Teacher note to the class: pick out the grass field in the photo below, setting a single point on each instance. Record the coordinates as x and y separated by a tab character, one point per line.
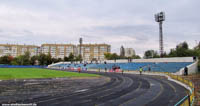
29	73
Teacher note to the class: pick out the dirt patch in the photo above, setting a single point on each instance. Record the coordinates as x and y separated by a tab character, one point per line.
18	90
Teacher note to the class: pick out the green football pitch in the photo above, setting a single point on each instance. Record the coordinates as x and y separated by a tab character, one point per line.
31	73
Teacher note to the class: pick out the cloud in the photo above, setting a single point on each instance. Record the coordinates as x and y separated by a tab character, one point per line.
116	22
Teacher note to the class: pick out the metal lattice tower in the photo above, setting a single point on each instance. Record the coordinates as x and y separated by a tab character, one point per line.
160	17
80	41
80	51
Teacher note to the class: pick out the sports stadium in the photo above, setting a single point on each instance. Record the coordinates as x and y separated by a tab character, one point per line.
146	66
105	83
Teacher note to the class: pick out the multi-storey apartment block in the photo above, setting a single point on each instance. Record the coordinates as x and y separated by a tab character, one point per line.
88	51
93	51
58	50
17	50
129	52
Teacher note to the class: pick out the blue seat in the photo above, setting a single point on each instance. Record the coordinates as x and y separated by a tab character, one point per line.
158	67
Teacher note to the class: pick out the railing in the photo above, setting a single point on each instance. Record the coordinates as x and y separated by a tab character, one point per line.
189	99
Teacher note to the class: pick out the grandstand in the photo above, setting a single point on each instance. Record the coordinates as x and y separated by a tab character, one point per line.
172	65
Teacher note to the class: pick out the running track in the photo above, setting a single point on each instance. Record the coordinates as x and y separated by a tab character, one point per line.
122	90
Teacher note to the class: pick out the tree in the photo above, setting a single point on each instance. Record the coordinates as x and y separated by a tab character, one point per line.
15	62
48	59
26	58
66	58
108	56
135	57
42	59
78	58
151	54
6	59
22	59
71	57
114	56
183	45
33	60
182	50
55	60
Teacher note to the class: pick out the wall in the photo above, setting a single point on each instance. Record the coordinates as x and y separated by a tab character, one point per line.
172	59
192	69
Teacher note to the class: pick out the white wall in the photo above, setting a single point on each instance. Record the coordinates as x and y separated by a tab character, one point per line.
172	59
192	69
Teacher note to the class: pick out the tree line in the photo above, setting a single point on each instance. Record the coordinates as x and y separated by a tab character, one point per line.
41	59
115	56
181	50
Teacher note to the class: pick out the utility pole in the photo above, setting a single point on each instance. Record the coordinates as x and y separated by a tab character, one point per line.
160	17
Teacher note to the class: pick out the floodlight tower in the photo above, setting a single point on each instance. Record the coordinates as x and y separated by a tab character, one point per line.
160	17
81	42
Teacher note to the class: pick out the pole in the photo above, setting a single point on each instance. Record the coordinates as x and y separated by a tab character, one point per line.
80	41
161	38
160	17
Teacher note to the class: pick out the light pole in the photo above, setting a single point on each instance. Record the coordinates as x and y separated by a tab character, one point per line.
160	17
81	42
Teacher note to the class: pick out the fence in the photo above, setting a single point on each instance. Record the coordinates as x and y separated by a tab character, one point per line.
22	66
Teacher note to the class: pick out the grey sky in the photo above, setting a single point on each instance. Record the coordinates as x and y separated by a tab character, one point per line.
117	22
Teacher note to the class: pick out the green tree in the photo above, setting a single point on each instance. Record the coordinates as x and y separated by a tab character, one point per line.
78	58
182	50
48	59
42	59
108	56
33	60
71	57
66	58
114	56
6	59
55	60
151	54
135	57
15	61
26	58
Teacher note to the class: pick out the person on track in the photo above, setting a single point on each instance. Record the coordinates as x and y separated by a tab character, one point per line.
141	70
186	71
149	68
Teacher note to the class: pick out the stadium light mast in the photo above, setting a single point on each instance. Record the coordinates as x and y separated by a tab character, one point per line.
81	42
160	17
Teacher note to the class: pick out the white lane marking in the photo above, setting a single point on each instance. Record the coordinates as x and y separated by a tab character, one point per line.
83	90
151	84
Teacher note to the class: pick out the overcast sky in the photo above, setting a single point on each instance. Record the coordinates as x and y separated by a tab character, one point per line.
116	22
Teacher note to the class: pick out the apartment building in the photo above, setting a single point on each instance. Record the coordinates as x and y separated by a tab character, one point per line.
129	52
17	50
88	51
93	51
58	50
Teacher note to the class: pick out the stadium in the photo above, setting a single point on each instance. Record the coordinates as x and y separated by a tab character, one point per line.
100	83
154	86
99	53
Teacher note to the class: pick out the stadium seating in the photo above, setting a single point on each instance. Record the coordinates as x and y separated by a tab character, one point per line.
158	67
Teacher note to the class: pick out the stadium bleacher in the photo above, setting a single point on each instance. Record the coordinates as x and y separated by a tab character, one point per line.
158	67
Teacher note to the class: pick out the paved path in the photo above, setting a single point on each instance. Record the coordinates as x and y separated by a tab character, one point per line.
122	90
